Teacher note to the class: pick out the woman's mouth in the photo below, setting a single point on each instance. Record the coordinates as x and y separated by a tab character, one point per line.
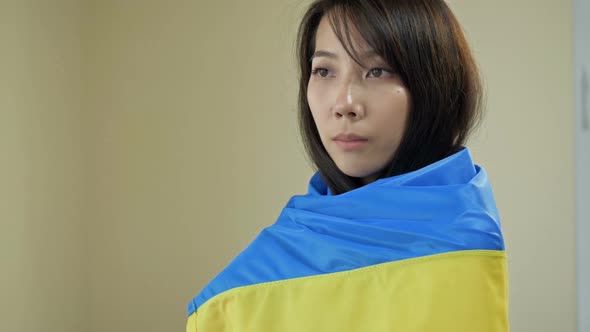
352	144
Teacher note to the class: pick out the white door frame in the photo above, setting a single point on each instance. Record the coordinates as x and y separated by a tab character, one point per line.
581	17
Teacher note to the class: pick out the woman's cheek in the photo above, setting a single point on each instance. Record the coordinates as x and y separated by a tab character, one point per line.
317	98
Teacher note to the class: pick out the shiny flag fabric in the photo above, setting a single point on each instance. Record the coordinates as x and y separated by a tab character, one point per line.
421	251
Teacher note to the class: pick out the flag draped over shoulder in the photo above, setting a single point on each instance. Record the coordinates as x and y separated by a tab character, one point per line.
421	251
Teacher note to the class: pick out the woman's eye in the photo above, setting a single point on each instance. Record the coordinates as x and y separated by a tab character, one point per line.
323	72
377	72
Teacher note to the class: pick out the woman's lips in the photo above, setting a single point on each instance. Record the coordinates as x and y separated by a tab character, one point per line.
352	144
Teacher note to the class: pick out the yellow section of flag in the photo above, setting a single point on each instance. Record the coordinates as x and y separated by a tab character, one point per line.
460	291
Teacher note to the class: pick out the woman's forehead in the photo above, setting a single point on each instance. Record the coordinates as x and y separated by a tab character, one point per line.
328	45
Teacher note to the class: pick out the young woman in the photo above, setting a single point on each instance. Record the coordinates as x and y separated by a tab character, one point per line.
399	230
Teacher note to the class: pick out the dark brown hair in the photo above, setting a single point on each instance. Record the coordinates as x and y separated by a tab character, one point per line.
424	44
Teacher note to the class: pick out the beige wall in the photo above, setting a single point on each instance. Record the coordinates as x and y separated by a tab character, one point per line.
116	213
42	261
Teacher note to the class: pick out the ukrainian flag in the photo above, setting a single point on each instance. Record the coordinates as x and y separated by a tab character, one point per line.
422	251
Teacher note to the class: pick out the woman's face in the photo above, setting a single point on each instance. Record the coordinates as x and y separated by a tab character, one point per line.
345	98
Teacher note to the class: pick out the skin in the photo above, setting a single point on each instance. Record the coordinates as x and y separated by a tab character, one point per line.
346	98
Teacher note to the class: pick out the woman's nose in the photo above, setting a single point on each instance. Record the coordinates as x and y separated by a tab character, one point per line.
349	101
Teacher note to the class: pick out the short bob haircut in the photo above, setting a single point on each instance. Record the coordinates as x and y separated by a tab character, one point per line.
424	44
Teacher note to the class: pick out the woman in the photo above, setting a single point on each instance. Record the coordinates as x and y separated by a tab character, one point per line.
399	230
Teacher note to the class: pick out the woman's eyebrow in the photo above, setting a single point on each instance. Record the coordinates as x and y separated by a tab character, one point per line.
326	54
